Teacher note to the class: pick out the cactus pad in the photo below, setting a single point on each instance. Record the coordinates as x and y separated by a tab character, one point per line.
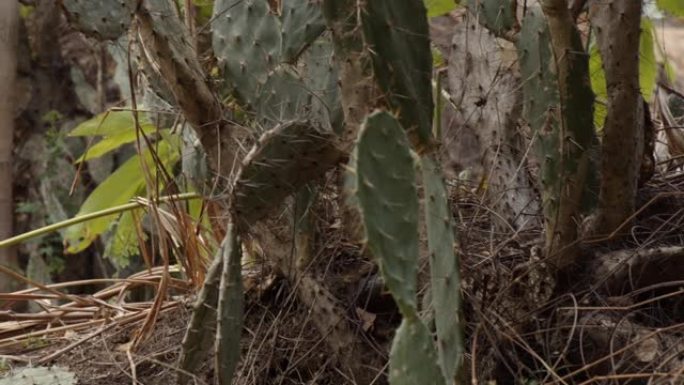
230	308
246	40
251	41
382	172
413	359
320	75
284	159
399	38
444	274
302	23
498	16
541	104
200	331
103	20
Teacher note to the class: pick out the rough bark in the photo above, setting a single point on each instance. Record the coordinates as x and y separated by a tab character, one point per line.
9	22
617	26
576	131
164	41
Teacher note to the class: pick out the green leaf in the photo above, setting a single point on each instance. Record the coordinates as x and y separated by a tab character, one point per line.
109	123
439	7
437	59
110	143
125	183
598	85
648	66
124	242
648	71
673	7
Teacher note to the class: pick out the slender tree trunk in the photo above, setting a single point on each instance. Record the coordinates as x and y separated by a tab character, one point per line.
617	25
9	19
577	129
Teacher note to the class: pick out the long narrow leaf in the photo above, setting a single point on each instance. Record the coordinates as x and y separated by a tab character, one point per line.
125	183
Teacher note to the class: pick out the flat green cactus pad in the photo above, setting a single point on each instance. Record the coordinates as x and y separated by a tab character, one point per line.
382	175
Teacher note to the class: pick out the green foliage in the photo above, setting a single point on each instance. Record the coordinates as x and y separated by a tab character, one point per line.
598	85
673	7
125	183
383	172
113	142
111	123
648	70
648	66
123	243
25	11
40	376
399	37
439	7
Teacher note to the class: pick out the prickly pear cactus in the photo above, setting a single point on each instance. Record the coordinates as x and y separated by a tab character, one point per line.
40	376
247	41
103	20
200	331
283	160
320	75
498	16
444	274
164	41
383	172
399	37
565	133
541	104
306	91
382	179
230	309
302	23
251	40
413	359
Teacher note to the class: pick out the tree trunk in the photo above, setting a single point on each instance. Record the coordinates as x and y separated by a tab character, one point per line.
9	19
623	137
576	131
